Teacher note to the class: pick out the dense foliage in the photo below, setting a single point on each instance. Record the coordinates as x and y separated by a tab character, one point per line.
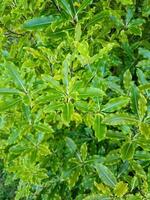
75	99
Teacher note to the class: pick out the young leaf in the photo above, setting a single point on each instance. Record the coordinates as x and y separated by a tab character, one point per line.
99	128
15	75
106	175
40	22
127	151
120	119
115	104
121	189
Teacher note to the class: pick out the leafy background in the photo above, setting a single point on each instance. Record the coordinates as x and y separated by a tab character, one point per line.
74	99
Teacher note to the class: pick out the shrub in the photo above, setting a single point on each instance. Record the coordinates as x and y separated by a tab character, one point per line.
74	99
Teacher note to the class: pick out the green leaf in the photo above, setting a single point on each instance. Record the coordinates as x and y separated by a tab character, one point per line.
67	8
115	104
83	151
106	175
9	91
142	155
98	17
121	189
99	128
144	52
138	169
142	106
40	22
9	104
73	178
15	75
134	98
71	145
127	151
127	79
78	32
84	4
120	119
67	112
144	129
90	92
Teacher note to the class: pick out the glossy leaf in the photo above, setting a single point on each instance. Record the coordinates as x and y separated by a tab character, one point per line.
99	128
115	104
120	119
9	91
67	112
127	151
84	4
40	22
106	175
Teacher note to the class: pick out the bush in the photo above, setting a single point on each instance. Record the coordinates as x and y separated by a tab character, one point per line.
74	99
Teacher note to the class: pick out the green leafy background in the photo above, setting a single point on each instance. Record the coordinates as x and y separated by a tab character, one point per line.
75	100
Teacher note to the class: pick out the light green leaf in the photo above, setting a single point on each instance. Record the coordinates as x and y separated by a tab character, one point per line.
84	4
138	169
67	112
120	119
121	189
15	75
127	151
142	106
90	92
40	22
106	175
115	104
144	129
54	84
127	79
73	178
9	91
78	32
9	104
99	128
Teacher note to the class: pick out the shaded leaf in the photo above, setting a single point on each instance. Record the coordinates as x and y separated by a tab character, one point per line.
106	175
